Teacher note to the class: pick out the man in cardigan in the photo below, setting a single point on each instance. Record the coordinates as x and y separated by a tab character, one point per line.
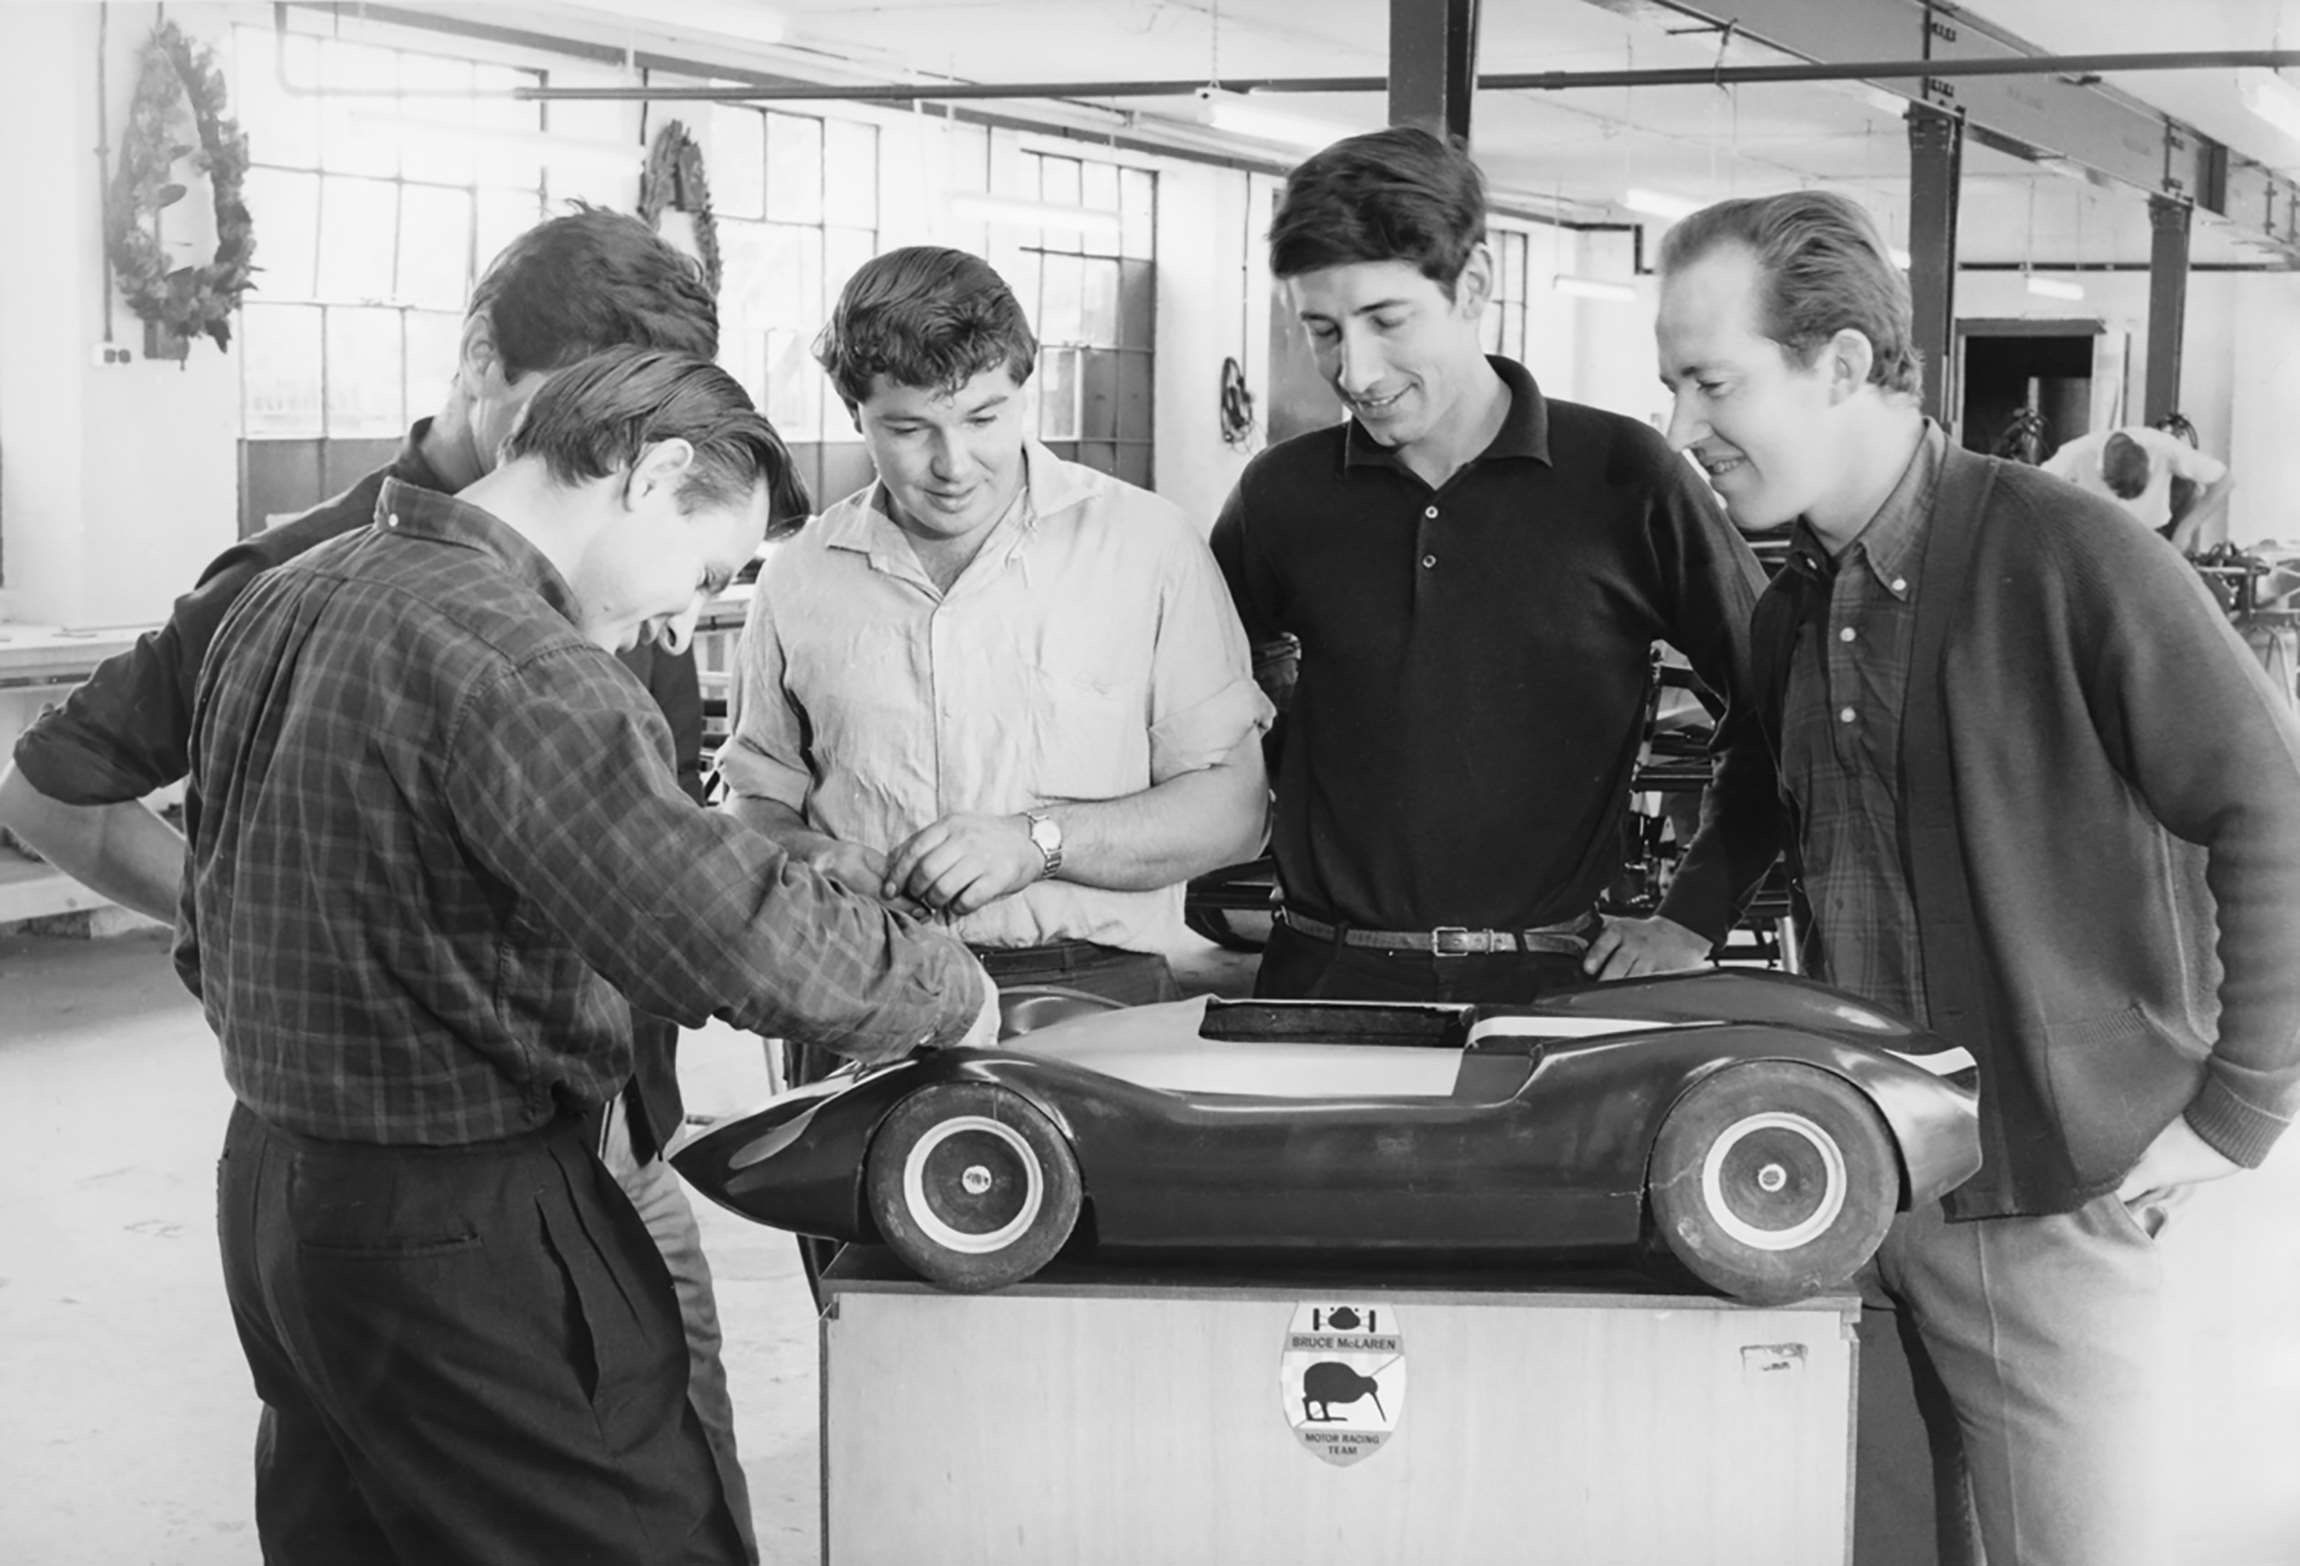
2042	800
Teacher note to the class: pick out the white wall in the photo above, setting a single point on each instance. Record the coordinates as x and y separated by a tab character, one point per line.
116	483
1213	304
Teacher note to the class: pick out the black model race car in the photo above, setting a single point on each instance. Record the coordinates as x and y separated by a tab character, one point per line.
1765	1129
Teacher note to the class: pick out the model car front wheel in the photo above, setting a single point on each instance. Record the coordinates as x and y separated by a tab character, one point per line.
1771	1181
972	1186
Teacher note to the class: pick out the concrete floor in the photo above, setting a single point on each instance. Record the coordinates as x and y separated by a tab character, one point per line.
125	1414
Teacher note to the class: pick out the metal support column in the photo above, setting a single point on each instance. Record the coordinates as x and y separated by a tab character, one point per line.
1936	162
1433	64
2167	304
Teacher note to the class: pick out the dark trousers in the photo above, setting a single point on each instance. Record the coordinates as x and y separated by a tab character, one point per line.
464	1354
1296	967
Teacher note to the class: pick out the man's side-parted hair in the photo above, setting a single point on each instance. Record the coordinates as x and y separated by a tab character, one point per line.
1402	194
594	279
594	419
927	317
1826	268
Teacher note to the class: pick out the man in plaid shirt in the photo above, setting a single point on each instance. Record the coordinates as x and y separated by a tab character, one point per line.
436	829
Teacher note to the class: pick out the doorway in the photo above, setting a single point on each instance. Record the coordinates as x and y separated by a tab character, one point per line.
2027	386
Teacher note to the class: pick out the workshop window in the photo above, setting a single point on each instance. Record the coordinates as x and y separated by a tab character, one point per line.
796	199
1088	290
383	179
1503	327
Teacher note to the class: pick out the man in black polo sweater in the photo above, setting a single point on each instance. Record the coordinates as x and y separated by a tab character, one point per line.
1476	575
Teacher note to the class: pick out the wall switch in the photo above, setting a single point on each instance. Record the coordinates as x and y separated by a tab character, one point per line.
106	355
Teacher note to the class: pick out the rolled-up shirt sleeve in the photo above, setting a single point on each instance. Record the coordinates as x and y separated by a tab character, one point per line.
1203	699
764	756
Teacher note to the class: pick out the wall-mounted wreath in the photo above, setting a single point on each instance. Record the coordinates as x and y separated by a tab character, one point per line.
674	178
180	78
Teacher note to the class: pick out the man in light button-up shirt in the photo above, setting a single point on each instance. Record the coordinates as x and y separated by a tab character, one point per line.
995	683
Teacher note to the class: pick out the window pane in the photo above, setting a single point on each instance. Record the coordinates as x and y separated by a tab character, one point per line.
794	168
844	252
434	247
1058	187
743	354
793	277
737	156
966	155
1021	271
1059	310
1098	396
279	371
359	224
503	216
365	373
743	275
1138	197
434	338
1489	328
1137	303
1098	189
289	208
1513	266
357	134
1058	395
794	386
850	173
1098	304
281	130
1134	396
503	125
442	150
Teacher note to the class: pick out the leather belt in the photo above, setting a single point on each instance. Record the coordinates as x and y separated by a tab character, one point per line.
1570	939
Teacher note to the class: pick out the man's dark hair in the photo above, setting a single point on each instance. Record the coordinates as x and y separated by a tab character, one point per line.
2124	466
594	279
2177	425
1401	194
927	317
595	418
1826	269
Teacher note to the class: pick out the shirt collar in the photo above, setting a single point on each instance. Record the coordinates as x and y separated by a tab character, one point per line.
410	466
1049	486
1524	429
412	512
1890	542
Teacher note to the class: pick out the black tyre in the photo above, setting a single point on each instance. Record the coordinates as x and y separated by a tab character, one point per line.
1771	1181
972	1186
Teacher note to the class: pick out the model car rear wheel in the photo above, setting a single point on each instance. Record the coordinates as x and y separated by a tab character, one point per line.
972	1186
1771	1181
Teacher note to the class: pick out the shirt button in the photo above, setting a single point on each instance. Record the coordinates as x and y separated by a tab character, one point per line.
1431	513
1428	561
1845	715
1900	584
392	520
1847	634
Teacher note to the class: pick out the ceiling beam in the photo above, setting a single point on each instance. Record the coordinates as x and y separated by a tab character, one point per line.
2070	120
1433	64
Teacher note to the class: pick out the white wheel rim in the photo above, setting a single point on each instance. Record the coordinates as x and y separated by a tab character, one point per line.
922	1211
1814	1224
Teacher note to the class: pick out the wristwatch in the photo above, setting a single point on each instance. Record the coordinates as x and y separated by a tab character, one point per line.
1046	832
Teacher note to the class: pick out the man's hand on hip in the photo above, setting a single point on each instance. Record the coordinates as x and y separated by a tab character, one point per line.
964	862
1634	948
2178	1157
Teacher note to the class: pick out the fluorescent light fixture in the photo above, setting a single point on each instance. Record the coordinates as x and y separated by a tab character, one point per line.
1594	288
2272	98
444	136
1034	214
2054	288
1241	115
1659	203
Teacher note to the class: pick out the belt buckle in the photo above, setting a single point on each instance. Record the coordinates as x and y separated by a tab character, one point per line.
1451	940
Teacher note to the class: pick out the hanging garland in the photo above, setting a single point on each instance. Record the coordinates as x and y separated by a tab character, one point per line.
674	178
178	74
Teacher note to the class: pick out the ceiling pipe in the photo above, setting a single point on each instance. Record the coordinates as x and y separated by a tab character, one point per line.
1527	81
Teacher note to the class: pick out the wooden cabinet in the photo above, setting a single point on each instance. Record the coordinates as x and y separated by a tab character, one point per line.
1095	1417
